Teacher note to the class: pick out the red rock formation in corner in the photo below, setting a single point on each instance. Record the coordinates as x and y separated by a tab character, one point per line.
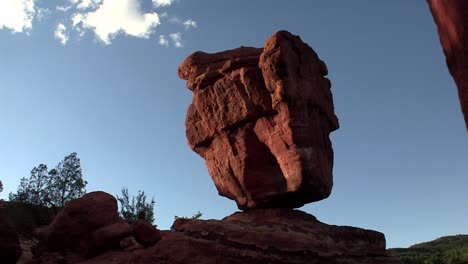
10	250
451	18
261	119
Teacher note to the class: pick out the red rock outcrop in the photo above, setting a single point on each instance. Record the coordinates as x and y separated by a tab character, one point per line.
261	119
88	226
272	236
10	250
451	18
276	236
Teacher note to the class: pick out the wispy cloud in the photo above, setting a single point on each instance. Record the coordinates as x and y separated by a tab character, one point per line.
176	39
60	33
42	13
158	3
190	23
163	41
86	4
16	15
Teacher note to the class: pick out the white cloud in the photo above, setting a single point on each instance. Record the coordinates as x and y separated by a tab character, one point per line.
113	17
190	23
16	15
63	8
61	33
176	39
163	41
86	4
158	3
105	18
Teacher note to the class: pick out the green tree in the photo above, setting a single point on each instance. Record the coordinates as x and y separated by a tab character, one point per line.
32	190
136	207
52	188
65	182
1	186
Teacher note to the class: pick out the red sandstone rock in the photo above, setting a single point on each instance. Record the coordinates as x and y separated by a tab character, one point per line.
108	237
261	119
275	236
451	18
129	244
73	227
146	234
10	250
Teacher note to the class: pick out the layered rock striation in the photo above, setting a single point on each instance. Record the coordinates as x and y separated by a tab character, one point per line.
276	236
273	236
261	119
451	18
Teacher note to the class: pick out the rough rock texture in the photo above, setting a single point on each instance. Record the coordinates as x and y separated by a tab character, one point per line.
261	119
78	225
275	236
108	237
10	250
146	234
451	18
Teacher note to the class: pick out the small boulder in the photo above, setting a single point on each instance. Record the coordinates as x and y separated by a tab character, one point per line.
146	234
108	237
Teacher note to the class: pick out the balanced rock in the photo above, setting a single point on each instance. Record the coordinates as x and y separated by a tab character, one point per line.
451	18
261	119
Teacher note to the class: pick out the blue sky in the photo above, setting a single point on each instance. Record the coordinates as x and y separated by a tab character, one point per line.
101	80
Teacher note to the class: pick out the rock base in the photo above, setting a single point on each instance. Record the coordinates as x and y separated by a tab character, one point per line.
271	236
274	236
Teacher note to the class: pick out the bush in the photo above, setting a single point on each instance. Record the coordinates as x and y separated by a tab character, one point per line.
136	207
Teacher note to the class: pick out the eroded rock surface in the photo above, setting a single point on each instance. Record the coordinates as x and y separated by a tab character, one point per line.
261	119
275	236
451	18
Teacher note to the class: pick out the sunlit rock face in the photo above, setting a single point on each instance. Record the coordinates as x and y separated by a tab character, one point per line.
261	118
451	18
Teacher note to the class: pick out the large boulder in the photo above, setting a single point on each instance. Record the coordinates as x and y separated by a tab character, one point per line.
75	227
10	250
451	18
261	119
